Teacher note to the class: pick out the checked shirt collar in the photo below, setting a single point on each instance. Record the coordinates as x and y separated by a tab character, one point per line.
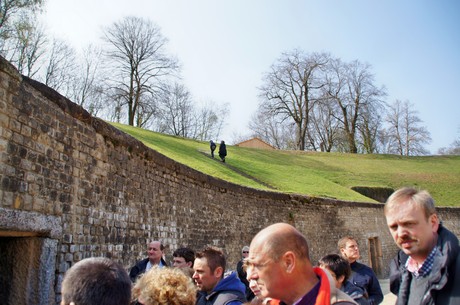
426	267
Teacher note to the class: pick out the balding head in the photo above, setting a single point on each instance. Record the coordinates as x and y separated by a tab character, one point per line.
278	238
279	263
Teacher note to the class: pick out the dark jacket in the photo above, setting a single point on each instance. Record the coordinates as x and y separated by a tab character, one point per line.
222	150
229	291
355	292
364	277
444	278
139	268
242	276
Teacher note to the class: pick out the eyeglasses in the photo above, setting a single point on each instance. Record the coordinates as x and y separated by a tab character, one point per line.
245	251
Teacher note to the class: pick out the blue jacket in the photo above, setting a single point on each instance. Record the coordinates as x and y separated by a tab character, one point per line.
355	292
228	291
364	277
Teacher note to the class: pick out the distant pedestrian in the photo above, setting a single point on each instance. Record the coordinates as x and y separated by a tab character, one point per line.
212	145
222	151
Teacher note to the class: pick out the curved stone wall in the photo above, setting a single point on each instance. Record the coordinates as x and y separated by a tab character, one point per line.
109	194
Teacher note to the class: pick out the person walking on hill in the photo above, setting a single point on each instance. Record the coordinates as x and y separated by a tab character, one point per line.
222	151
212	146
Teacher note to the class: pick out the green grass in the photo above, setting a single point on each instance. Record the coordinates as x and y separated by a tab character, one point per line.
316	174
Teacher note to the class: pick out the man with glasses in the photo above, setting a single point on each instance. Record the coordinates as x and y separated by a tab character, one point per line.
361	275
242	273
279	263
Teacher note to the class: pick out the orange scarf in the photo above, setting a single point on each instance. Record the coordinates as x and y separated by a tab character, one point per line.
324	293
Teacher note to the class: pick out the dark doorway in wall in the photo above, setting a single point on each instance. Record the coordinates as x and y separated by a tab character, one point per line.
375	256
27	268
28	249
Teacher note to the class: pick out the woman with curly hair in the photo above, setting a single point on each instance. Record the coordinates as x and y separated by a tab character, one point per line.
164	286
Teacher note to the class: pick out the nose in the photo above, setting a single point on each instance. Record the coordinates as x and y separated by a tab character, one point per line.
250	273
195	275
401	231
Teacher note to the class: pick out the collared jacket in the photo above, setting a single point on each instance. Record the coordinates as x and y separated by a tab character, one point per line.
444	277
364	277
355	292
228	291
139	268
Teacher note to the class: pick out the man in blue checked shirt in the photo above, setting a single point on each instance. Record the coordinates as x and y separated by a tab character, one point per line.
427	269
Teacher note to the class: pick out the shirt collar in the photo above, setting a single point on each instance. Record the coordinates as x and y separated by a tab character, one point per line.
427	265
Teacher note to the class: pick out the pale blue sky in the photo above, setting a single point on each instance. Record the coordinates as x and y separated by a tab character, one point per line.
226	46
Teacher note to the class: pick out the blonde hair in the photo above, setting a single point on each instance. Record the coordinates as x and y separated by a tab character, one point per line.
414	196
165	286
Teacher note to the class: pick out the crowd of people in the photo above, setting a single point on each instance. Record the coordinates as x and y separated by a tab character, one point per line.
276	269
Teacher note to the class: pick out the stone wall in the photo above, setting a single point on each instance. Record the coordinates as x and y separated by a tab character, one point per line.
107	194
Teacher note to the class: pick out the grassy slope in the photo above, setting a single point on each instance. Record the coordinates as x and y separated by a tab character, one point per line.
313	173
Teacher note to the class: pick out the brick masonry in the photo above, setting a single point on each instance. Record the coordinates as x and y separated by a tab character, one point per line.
112	194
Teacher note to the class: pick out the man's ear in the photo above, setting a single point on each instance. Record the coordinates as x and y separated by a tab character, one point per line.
288	260
189	264
434	220
219	272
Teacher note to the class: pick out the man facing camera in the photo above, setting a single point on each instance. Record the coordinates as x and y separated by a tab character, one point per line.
427	268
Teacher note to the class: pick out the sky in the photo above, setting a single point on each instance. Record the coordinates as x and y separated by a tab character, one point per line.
226	46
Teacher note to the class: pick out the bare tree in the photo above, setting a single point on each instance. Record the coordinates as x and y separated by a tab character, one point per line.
25	47
138	63
87	87
369	127
273	129
176	111
325	128
406	136
291	89
209	121
60	66
9	12
352	86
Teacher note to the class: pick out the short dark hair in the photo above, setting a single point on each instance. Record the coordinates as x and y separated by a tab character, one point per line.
96	281
215	258
187	253
336	264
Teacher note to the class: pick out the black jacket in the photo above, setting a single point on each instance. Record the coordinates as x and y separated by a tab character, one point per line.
444	278
139	268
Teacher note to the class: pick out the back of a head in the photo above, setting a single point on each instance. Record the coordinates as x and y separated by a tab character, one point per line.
165	286
337	264
96	281
214	256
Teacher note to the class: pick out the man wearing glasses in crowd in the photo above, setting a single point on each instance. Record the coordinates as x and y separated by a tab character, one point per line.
242	274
